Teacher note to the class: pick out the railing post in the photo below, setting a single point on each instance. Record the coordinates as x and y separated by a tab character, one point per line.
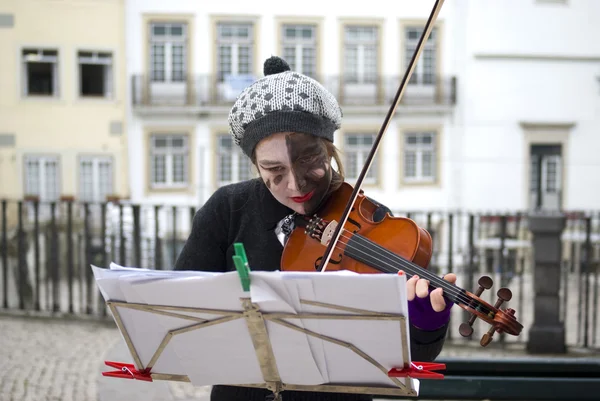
4	256
137	236
547	334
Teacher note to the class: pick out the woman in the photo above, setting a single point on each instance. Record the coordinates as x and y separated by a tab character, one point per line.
285	124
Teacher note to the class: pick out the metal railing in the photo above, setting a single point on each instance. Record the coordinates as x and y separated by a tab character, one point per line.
46	250
207	90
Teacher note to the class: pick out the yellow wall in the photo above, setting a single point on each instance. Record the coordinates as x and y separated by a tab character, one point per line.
65	125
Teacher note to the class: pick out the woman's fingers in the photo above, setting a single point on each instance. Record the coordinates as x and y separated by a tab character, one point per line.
411	287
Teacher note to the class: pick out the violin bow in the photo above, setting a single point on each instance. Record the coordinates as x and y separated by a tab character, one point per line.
411	66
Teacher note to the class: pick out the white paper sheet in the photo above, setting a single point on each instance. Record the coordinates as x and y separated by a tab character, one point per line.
224	353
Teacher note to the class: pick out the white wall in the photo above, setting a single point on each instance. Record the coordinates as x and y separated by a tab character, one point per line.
504	84
489	44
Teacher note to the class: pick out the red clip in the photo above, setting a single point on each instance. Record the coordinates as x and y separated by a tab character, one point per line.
127	371
419	370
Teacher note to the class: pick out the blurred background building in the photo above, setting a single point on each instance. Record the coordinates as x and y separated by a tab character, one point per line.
129	99
63	101
118	109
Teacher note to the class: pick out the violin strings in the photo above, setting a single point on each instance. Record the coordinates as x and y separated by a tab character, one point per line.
459	295
404	263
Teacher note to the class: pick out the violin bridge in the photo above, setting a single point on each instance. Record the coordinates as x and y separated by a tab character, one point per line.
328	232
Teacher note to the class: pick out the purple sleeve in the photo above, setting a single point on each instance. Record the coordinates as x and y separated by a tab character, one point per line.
422	316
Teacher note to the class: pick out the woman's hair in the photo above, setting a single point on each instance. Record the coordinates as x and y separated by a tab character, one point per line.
337	173
338	176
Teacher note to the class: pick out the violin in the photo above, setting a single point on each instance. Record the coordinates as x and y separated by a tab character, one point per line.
390	245
345	227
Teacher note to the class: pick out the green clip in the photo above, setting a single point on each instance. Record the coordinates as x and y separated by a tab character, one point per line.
241	264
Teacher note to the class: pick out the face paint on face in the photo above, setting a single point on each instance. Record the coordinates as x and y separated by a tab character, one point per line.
310	166
296	169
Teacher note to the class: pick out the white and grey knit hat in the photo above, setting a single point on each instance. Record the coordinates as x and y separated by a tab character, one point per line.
282	101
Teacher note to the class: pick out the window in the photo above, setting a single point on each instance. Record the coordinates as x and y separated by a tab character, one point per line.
95	74
42	177
356	150
420	157
95	178
360	54
424	72
40	72
169	161
550	172
168	52
299	48
234	49
233	165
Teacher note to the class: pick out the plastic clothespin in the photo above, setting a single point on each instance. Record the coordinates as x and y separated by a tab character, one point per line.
241	264
419	370
127	371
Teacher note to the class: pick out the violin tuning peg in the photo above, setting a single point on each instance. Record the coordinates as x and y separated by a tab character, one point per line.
485	283
465	329
487	337
485	340
504	295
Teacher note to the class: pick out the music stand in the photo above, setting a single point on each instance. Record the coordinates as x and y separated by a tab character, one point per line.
276	331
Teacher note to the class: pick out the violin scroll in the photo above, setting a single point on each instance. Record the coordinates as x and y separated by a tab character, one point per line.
501	320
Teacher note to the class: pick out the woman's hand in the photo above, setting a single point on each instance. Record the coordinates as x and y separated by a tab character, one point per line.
420	287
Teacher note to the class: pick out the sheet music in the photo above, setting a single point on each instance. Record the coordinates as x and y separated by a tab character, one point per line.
223	353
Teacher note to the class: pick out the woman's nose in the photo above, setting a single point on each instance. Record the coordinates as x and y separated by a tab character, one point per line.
295	183
292	184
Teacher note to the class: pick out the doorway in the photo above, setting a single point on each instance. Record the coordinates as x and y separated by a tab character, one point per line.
545	182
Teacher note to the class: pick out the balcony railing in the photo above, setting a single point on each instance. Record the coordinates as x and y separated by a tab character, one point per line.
45	264
207	91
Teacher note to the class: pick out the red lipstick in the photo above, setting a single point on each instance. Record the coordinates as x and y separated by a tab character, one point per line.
305	198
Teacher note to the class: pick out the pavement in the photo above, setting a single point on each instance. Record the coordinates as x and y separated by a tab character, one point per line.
50	359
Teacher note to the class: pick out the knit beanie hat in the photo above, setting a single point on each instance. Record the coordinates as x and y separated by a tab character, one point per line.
282	101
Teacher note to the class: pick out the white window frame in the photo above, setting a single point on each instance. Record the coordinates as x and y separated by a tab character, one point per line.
419	150
169	153
546	161
43	192
168	42
418	76
104	58
361	74
360	152
299	44
36	55
235	42
98	195
237	162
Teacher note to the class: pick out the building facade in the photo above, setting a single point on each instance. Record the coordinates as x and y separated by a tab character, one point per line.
187	64
488	121
62	103
528	114
499	115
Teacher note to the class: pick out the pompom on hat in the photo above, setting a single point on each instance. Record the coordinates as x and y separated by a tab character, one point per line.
282	101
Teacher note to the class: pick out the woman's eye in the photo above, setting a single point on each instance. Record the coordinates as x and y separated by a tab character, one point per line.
275	169
308	159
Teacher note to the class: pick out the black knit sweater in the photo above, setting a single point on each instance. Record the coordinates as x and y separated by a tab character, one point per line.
246	212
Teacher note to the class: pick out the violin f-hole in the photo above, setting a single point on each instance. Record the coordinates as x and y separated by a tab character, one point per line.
331	260
356	223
